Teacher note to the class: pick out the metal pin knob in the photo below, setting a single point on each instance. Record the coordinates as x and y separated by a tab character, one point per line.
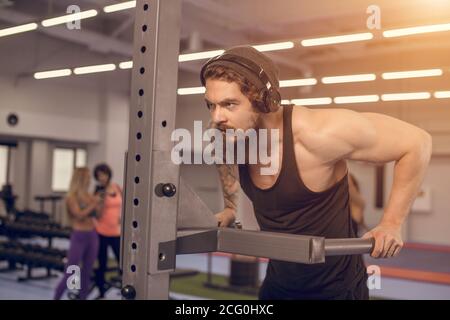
165	190
128	292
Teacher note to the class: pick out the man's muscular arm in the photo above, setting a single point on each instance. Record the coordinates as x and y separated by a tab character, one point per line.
376	138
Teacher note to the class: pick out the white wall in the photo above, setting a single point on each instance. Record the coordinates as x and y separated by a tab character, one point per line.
117	126
51	115
113	127
49	112
433	226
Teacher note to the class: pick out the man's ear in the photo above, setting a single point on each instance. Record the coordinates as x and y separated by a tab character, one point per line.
260	106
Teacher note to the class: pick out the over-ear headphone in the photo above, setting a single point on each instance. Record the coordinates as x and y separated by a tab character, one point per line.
268	93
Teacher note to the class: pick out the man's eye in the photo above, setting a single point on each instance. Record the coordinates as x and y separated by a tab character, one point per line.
230	105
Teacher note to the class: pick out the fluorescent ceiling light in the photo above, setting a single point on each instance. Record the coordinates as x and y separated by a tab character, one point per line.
18	29
52	74
96	68
126	65
298	82
312	101
357	99
405	96
192	90
120	6
349	78
416	30
412	74
199	55
274	46
442	94
69	18
337	39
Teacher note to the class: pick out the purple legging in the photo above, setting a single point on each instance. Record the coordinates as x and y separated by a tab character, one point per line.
82	252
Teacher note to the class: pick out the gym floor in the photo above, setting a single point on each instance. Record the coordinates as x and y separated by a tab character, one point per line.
408	283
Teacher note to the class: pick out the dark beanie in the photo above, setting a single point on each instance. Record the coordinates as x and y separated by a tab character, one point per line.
255	56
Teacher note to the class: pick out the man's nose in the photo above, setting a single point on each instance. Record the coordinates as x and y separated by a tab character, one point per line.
218	116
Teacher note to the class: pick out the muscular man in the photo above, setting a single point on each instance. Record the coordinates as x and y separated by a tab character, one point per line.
309	194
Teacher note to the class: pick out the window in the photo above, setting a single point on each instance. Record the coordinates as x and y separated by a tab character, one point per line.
80	158
63	164
64	161
3	164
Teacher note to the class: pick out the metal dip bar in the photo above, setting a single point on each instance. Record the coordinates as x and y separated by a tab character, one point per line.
278	246
337	247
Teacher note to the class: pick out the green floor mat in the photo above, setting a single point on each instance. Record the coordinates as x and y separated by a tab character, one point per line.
194	286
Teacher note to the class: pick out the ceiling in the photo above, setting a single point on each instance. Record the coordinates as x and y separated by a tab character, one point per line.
213	24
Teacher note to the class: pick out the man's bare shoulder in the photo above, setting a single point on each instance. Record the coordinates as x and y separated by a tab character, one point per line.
317	130
308	121
305	125
309	126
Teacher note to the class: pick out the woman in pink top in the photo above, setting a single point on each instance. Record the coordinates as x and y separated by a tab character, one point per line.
107	222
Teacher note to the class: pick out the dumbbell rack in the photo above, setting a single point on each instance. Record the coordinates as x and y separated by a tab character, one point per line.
53	199
26	227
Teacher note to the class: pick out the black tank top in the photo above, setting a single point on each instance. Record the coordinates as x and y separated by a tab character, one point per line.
290	207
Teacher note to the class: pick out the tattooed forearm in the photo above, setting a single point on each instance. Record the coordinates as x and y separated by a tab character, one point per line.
229	177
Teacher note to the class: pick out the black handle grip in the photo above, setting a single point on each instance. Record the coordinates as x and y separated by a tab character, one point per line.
336	247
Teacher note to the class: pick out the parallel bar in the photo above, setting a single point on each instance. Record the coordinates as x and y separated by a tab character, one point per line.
196	241
278	246
336	247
